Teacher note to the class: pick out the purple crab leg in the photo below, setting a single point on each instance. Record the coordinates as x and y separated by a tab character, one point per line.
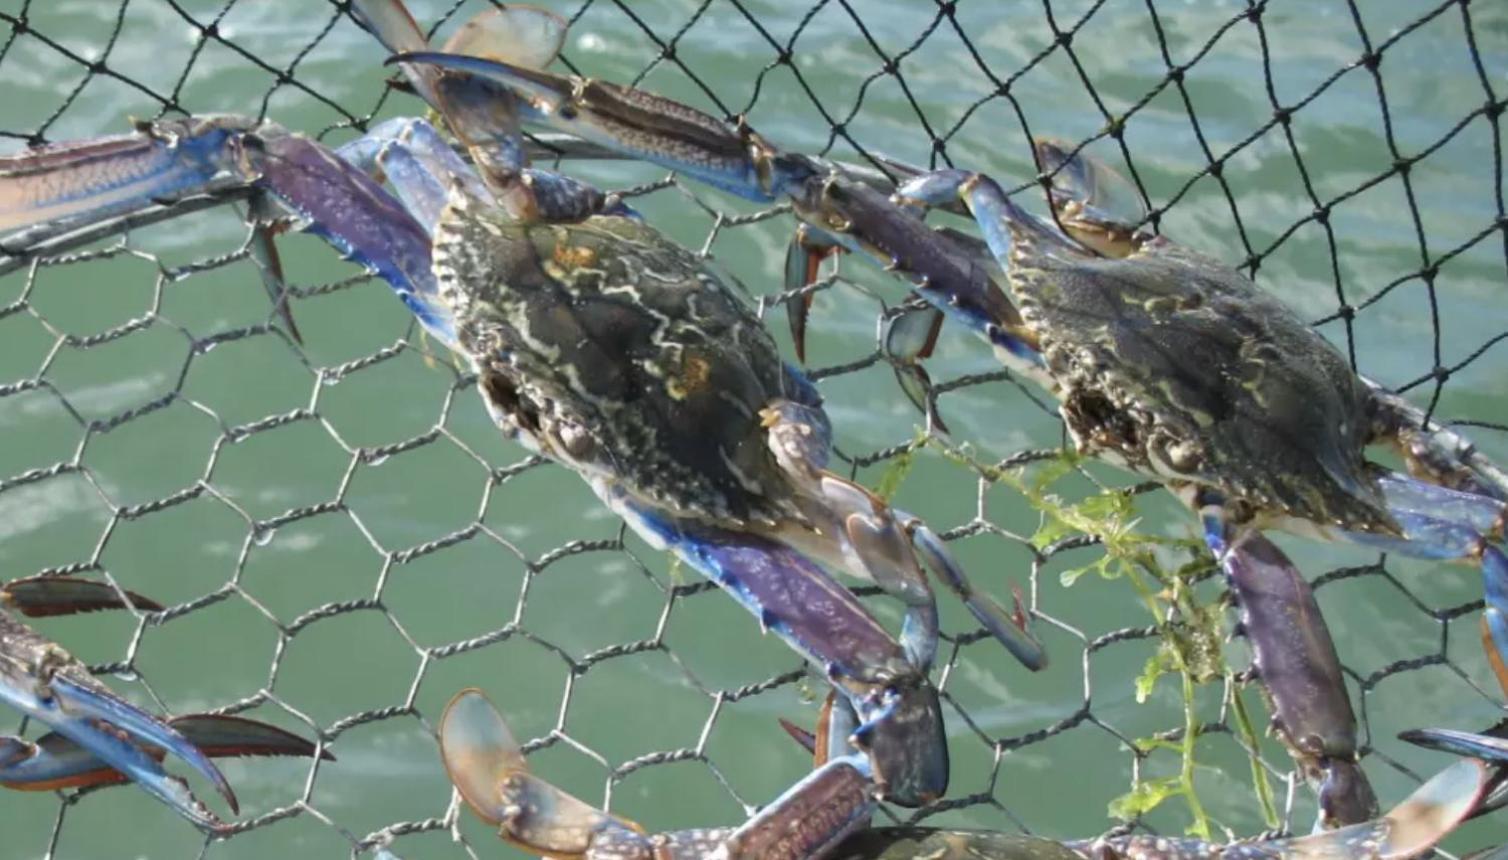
1297	664
901	718
97	179
173	158
56	762
490	772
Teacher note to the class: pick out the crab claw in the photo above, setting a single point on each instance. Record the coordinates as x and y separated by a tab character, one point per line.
1092	202
897	736
483	114
632	122
58	192
1409	829
1489	746
119	734
487	767
890	547
87	705
793	598
910	337
1415	825
803	262
55	762
44	682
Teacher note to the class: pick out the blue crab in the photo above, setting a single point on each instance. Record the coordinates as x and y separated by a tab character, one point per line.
826	814
97	737
598	343
1165	362
1175	366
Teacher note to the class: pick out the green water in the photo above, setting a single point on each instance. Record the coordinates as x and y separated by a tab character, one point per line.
254	637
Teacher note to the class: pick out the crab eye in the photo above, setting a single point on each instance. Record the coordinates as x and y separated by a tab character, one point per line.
575	440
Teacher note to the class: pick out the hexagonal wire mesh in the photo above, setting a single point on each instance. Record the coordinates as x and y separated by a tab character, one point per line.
344	541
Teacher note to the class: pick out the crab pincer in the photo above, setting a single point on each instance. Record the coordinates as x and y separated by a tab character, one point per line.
44	682
598	343
493	778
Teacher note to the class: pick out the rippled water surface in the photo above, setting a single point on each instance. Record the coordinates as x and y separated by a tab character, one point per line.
339	616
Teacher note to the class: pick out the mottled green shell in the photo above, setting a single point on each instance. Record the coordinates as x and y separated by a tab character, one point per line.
621	353
1183	368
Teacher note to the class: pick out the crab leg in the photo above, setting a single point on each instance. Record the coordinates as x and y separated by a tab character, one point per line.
44	682
824	814
910	337
168	160
1300	672
896	704
492	776
54	762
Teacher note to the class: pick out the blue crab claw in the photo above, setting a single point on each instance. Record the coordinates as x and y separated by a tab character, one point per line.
875	747
632	122
55	762
892	548
119	734
482	114
1092	202
521	35
82	187
1489	747
87	706
488	769
1010	626
45	683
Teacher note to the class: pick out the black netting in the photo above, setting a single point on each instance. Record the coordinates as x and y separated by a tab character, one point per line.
344	542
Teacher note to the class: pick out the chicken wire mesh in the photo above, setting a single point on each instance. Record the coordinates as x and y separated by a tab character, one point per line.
343	541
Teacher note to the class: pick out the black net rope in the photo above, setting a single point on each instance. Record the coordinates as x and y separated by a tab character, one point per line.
90	430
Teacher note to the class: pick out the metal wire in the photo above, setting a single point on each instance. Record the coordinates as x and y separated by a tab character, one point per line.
68	434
